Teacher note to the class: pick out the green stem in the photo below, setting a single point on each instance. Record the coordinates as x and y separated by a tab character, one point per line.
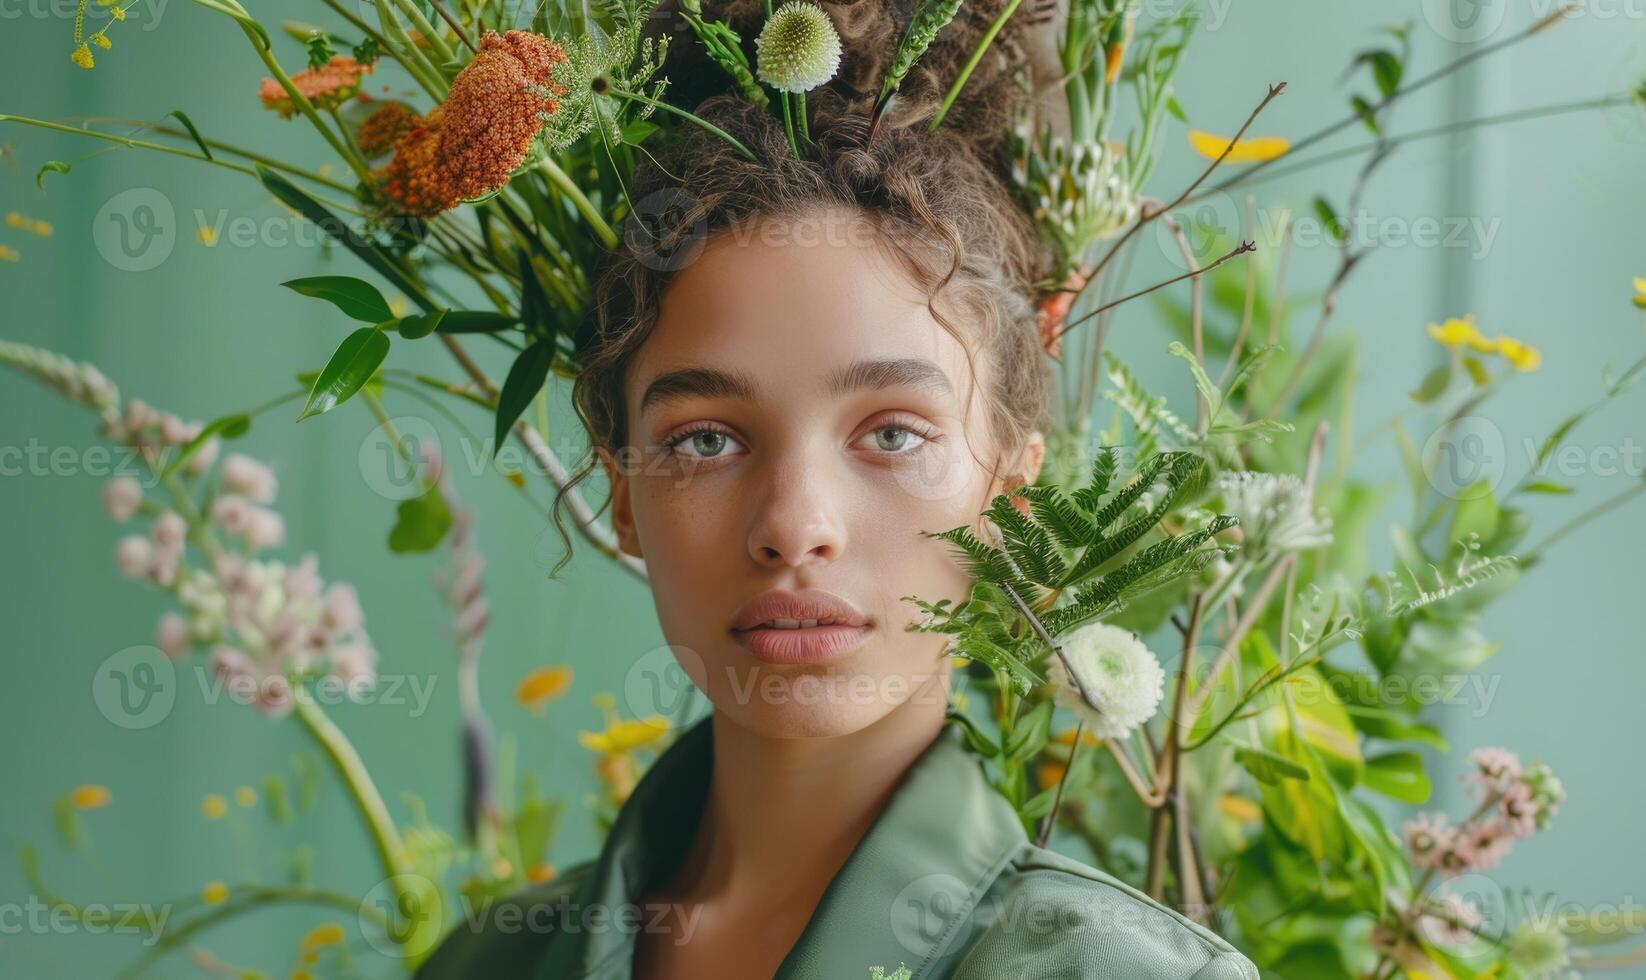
788	123
391	852
421	23
176	151
972	62
563	182
682	113
259	39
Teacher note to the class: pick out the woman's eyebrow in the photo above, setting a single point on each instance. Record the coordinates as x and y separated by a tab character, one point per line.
698	382
889	372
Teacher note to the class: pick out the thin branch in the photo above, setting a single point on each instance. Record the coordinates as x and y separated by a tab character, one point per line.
1240	249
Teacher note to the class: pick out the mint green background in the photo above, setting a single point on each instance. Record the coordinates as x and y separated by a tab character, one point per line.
209	331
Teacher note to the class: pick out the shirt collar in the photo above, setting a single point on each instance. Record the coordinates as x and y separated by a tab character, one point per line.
904	894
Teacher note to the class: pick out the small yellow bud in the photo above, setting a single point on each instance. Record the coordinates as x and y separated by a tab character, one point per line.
101	41
213	807
82	56
214	893
90	797
245	796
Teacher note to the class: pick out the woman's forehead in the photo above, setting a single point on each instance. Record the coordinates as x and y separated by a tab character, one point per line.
784	316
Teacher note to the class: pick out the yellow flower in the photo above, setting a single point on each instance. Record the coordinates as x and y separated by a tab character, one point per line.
82	56
214	893
1239	808
617	770
1459	332
625	736
542	685
9	254
213	807
90	797
959	663
324	934
118	13
206	236
1066	737
540	872
101	40
1520	355
245	796
1255	150
1050	774
1640	293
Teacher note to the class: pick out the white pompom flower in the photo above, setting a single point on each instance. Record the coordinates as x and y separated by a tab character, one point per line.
798	49
1274	512
1122	680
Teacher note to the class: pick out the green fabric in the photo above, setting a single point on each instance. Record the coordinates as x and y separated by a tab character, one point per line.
944	882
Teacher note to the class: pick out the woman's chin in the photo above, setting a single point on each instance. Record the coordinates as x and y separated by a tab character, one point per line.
779	703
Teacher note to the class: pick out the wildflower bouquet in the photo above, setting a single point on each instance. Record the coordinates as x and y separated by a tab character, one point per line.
484	193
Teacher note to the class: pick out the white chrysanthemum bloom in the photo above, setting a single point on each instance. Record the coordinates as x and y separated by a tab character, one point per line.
798	49
1122	679
1274	512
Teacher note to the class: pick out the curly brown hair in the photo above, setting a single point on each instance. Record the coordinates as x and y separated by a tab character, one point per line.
938	201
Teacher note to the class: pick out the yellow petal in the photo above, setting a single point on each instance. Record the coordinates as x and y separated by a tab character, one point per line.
1458	332
90	797
1239	808
214	892
1521	356
542	686
1255	150
213	807
324	934
625	736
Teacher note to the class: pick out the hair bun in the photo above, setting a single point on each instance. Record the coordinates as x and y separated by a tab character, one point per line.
870	32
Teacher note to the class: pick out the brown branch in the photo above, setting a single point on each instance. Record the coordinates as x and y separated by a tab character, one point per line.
1240	249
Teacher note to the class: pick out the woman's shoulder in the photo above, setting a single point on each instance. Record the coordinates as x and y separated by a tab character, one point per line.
1051	916
505	935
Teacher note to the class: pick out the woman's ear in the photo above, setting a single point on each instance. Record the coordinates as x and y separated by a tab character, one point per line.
1034	454
628	541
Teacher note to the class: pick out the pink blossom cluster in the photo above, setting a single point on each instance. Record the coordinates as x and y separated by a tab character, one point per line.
1514	802
268	625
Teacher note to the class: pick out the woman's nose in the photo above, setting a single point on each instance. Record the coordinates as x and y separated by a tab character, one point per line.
798	519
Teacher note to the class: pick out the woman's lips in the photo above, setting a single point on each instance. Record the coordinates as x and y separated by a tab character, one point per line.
806	645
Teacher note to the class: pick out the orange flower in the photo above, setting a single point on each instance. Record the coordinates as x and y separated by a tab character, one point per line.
384	127
1053	310
326	87
542	686
492	117
90	797
414	180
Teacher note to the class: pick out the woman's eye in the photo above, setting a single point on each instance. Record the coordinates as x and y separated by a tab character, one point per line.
896	438
702	444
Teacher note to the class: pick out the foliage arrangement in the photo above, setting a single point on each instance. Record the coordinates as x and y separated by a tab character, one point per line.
1238	785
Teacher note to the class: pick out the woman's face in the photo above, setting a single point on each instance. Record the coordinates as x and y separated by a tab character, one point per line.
796	419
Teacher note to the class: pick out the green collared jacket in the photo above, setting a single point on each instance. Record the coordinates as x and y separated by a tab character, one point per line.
944	882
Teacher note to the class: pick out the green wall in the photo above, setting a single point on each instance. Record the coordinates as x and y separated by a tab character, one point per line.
208	331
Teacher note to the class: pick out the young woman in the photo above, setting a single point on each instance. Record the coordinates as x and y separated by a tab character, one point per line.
813	362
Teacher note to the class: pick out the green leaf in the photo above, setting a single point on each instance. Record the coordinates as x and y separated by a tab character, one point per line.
417	325
356	359
1398	775
1030	732
1385	724
980	743
1477	370
1476	513
179	115
356	298
1328	218
1434	384
229	427
1544	486
1366	112
367	250
1386	69
1176	109
50	166
475	321
1039	804
421	522
1269	767
525	379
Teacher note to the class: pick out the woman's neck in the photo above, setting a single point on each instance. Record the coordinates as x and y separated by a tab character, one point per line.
783	814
